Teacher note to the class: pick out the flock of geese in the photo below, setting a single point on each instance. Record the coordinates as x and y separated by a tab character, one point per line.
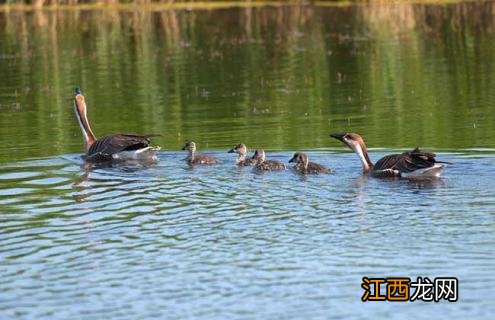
122	147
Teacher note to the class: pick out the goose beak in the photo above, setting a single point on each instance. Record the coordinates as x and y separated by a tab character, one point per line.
292	160
339	136
231	151
184	148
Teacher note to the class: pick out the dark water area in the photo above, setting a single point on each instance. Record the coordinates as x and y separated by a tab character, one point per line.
168	240
401	75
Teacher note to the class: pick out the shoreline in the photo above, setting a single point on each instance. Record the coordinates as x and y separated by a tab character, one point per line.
210	5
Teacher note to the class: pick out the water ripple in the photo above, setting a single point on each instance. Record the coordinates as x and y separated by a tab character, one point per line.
227	234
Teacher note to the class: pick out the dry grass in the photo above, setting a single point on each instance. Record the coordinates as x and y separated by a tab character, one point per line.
160	5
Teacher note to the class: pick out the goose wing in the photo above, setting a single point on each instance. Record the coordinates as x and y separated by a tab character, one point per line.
247	162
317	168
270	165
109	145
204	159
406	162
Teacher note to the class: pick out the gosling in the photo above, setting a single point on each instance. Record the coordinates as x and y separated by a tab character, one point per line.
266	165
304	166
193	158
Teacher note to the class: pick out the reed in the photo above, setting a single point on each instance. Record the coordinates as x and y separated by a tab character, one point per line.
350	65
200	4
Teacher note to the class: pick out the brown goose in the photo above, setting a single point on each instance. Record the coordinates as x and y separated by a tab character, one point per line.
412	164
112	147
303	165
241	150
266	165
194	158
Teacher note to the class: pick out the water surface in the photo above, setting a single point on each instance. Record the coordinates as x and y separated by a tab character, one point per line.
219	241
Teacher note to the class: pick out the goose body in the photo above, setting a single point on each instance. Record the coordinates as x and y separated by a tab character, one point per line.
266	165
194	158
304	166
112	147
410	165
241	160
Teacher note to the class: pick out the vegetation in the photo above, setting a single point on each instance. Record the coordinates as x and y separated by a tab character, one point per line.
177	4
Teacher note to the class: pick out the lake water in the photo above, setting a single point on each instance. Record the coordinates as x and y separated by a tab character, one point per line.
167	240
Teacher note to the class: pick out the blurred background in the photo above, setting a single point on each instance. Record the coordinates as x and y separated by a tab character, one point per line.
279	76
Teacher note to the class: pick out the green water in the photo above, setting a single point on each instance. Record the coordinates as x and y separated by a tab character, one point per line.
281	78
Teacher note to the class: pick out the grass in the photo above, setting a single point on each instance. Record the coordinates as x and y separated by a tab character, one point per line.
197	5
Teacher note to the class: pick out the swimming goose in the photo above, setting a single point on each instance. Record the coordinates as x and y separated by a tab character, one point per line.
266	165
194	158
303	165
412	164
112	147
241	150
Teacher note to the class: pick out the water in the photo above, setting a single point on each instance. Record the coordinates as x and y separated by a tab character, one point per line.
278	77
172	241
219	241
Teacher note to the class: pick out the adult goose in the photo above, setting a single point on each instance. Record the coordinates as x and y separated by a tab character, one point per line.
113	147
412	164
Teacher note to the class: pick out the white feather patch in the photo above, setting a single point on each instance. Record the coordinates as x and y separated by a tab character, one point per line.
432	172
148	153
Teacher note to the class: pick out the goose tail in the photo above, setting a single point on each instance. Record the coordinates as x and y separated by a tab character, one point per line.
434	171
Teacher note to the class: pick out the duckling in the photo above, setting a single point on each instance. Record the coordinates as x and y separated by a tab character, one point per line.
266	165
241	150
303	165
197	158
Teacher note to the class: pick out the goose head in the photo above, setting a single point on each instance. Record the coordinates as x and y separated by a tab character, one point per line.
190	146
240	149
259	155
352	140
80	110
356	143
299	159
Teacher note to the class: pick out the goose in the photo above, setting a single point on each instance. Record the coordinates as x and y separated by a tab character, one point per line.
241	160
194	158
112	147
303	165
412	164
266	165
